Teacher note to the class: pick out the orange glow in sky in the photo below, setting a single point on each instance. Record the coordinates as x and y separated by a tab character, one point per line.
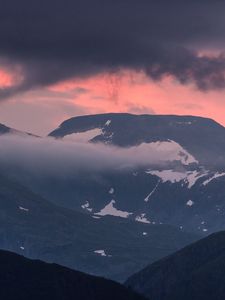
6	79
135	93
42	110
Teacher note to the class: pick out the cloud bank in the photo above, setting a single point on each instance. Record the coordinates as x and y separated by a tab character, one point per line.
41	157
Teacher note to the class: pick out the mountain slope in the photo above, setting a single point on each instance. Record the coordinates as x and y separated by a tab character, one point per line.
7	130
110	247
185	190
24	279
4	129
202	137
195	272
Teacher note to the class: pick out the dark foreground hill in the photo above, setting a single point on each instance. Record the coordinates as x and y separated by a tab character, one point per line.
24	279
193	273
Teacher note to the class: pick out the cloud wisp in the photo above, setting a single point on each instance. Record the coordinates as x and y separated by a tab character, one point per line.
40	157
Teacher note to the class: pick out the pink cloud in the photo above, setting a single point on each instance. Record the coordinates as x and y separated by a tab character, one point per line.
134	92
6	79
44	109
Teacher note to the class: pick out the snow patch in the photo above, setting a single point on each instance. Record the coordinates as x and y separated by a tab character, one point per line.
142	218
102	253
23	208
168	175
190	203
193	177
190	177
152	192
83	137
111	191
108	123
216	175
110	209
87	207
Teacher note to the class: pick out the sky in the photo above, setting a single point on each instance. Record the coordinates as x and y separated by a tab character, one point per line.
60	59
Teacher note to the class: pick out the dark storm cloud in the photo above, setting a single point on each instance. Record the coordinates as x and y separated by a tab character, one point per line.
56	40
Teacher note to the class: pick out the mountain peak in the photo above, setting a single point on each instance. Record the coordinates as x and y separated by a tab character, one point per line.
202	137
22	278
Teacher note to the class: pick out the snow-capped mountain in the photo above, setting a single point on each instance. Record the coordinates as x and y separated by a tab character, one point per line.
202	137
113	221
185	189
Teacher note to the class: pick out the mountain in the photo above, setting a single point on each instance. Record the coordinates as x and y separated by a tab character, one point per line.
24	279
7	130
4	129
195	272
202	137
111	247
185	190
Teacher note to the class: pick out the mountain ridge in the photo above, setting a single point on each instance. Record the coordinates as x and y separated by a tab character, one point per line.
110	114
203	137
194	272
4	129
25	279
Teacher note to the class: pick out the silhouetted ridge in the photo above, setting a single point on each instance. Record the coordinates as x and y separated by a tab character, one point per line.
25	279
193	273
